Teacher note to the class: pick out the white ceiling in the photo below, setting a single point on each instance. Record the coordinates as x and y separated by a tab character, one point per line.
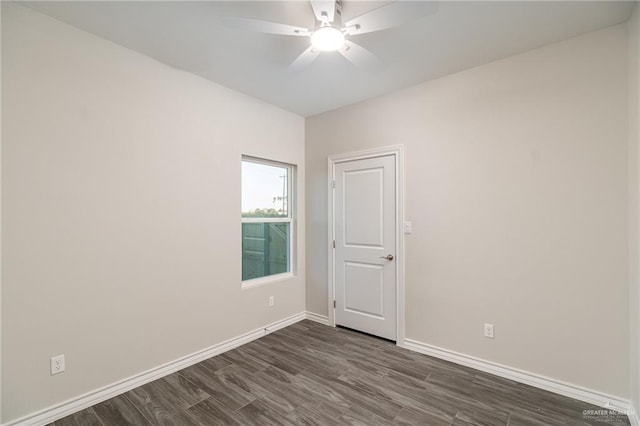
460	35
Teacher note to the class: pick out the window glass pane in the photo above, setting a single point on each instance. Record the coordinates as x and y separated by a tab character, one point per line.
264	190
265	249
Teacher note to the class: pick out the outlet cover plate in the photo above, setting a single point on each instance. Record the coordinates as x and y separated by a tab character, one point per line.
488	330
57	364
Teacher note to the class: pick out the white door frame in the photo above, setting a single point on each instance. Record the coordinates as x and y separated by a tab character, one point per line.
398	152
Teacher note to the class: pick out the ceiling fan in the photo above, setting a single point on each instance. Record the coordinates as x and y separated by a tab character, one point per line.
329	34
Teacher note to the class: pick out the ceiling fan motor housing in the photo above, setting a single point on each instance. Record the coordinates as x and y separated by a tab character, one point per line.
337	20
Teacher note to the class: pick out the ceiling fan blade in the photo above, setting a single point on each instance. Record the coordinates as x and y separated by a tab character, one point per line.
323	8
359	56
305	59
391	15
264	26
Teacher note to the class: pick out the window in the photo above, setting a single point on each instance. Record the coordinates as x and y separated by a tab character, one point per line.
267	218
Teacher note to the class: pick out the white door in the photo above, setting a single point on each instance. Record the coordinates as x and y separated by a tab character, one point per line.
365	245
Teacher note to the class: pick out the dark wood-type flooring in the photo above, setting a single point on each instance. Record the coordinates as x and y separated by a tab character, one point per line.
312	374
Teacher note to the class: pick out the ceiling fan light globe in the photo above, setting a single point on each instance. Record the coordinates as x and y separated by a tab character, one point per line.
327	39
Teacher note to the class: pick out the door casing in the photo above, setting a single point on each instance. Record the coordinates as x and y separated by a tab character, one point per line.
398	152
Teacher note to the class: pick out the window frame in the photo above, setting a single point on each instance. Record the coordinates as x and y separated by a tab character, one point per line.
290	219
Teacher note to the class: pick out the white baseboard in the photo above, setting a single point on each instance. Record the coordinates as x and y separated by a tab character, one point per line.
71	406
573	391
322	319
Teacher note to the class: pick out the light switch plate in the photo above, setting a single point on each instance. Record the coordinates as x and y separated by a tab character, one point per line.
488	331
407	227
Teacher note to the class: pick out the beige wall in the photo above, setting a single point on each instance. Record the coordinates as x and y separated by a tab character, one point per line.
119	181
121	195
634	192
516	184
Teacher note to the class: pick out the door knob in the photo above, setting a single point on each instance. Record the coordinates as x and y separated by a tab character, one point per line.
388	257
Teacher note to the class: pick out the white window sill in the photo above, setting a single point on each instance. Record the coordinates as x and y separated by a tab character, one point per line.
258	282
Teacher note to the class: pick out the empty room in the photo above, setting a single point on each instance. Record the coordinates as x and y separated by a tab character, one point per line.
325	212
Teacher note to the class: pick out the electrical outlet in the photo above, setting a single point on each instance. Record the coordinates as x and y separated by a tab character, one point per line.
57	364
271	301
488	330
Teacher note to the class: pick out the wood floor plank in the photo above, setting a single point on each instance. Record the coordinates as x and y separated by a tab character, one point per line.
145	393
282	384
86	417
160	411
180	390
183	418
518	419
226	393
325	394
244	360
266	354
412	415
212	412
316	415
278	375
407	367
358	416
481	418
360	395
280	397
411	393
311	374
259	413
119	410
216	363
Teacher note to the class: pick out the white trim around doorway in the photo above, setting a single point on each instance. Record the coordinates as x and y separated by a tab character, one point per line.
398	152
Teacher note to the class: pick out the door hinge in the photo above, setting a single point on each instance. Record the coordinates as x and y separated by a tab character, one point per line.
334	304
334	243
333	184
